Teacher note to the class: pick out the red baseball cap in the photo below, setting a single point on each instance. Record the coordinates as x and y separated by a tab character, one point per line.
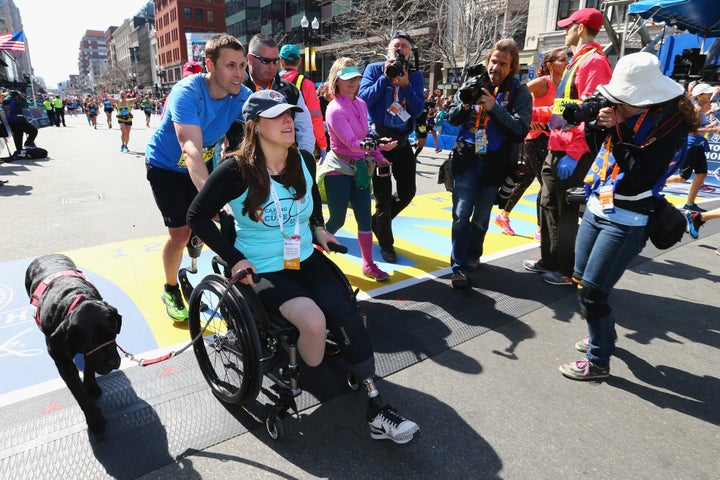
589	17
191	68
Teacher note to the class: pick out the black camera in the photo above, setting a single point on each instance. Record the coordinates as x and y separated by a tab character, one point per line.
586	111
518	174
396	68
472	88
370	142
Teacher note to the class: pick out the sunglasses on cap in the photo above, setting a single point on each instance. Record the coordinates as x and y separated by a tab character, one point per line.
265	60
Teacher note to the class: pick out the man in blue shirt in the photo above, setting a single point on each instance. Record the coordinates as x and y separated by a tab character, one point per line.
180	153
395	98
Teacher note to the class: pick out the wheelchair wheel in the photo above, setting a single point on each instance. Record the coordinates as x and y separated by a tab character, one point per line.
275	426
229	352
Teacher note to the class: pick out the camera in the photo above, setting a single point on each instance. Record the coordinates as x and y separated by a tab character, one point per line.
518	174
587	110
472	88
396	68
370	142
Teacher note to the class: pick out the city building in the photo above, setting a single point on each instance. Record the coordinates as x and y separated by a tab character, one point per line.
173	20
92	57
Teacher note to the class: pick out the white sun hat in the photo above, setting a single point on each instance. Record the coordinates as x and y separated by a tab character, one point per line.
638	81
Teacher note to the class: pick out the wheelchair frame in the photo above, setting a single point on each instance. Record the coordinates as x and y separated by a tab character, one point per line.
242	344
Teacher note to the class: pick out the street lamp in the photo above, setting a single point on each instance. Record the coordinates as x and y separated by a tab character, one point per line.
311	39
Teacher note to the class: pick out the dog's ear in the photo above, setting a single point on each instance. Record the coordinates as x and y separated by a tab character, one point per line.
116	316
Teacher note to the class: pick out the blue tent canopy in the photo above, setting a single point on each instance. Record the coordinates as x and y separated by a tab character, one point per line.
701	17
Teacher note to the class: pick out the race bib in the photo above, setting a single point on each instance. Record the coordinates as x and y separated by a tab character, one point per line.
207	154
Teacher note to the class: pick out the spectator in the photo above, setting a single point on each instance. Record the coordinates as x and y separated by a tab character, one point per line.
543	90
421	124
13	106
488	144
569	157
290	60
648	123
270	175
182	149
340	173
697	145
263	59
394	100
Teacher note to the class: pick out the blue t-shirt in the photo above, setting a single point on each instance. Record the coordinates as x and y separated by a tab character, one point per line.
190	103
262	242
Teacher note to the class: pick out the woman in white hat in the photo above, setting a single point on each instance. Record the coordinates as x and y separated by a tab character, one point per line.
345	174
648	122
270	188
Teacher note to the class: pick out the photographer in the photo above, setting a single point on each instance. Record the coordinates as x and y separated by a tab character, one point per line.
569	157
19	125
648	122
494	110
393	92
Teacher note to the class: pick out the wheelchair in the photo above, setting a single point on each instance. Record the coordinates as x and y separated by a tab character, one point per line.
239	345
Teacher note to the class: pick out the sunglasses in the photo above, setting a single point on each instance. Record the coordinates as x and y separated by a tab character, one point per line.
265	60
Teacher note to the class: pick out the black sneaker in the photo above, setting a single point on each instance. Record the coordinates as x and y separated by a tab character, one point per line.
534	266
388	254
584	370
458	280
693	207
390	425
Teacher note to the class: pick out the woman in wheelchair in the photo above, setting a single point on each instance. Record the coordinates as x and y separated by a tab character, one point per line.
270	188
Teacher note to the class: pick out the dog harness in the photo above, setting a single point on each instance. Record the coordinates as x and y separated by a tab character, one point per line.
45	284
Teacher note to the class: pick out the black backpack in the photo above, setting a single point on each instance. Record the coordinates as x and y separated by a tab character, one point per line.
30	153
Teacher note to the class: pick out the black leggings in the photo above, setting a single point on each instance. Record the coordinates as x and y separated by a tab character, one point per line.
317	280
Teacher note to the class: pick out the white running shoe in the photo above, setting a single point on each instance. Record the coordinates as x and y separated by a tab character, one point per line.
388	424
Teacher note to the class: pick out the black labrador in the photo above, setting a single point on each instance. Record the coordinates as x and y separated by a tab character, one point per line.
74	319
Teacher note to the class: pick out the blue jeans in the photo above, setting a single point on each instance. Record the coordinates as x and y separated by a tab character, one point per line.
472	200
603	251
341	190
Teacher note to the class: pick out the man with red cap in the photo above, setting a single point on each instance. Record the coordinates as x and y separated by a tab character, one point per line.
569	156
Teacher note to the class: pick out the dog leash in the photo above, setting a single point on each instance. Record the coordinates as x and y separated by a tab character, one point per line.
144	362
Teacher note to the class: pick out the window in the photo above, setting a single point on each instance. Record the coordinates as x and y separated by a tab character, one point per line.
187	13
211	16
567	8
199	17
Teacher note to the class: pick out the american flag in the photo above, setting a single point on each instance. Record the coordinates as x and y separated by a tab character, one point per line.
14	41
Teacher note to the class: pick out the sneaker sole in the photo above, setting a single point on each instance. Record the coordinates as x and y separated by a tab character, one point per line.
376	278
398	441
581	378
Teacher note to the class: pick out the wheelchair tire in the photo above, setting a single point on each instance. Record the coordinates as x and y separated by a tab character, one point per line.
229	351
275	426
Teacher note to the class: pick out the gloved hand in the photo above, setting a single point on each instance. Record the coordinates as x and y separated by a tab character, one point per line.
566	166
323	152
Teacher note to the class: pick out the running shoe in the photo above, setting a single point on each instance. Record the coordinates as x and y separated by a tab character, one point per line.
174	305
557	278
693	223
504	224
584	370
693	207
390	425
537	237
374	272
707	189
534	266
458	280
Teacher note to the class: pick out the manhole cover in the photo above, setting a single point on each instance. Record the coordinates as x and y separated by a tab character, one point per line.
85	199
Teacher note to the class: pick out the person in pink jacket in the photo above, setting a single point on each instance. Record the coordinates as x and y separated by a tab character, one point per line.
345	174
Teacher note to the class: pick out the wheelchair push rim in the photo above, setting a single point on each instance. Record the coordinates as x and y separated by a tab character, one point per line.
228	353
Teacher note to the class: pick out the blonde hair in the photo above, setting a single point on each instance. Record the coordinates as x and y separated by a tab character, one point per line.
335	70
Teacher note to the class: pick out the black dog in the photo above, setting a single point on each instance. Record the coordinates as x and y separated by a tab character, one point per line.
74	319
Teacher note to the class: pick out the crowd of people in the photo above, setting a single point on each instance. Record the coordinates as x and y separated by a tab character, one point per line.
252	133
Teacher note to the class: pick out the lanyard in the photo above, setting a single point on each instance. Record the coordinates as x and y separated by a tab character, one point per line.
278	210
608	148
481	116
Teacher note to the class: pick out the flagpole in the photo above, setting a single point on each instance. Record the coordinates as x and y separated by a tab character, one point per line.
32	72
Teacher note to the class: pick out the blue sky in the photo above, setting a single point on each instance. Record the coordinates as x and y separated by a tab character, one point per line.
54	29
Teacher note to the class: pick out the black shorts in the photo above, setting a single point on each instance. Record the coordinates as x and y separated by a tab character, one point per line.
694	161
108	110
173	192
